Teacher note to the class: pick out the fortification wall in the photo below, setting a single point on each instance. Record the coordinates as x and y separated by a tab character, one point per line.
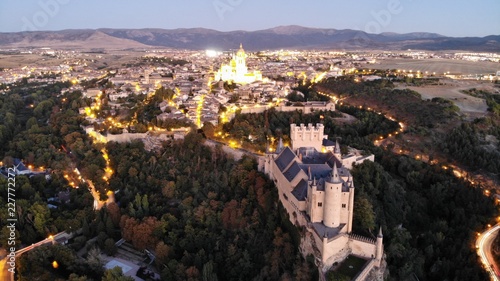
306	108
362	246
335	250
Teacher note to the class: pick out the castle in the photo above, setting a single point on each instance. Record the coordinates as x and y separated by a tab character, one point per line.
317	191
237	71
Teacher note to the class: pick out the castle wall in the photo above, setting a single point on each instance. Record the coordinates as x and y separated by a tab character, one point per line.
335	250
348	162
124	137
308	107
362	246
294	208
366	271
316	213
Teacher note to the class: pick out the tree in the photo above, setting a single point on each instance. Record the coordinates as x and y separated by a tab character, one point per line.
364	214
208	272
115	274
75	277
162	251
109	247
95	260
41	214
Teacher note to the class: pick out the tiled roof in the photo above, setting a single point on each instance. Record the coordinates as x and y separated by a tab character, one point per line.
292	171
285	158
327	142
300	191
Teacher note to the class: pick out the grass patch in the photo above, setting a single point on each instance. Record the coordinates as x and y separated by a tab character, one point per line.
348	269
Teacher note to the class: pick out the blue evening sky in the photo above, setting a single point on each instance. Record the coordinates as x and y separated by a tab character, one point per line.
447	17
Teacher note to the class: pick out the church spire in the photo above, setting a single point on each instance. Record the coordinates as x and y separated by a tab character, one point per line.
380	235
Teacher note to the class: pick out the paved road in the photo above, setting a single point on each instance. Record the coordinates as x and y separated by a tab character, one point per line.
5	275
483	245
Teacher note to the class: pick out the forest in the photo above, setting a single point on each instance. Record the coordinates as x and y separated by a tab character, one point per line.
429	217
255	131
209	217
213	219
405	105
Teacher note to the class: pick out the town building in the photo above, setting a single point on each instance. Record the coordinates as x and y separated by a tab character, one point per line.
317	190
237	71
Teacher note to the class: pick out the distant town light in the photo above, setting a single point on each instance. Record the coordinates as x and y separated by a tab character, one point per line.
212	53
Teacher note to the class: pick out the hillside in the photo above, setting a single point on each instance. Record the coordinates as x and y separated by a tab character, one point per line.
292	37
83	39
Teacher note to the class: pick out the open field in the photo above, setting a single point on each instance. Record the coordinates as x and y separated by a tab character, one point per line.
439	66
20	60
470	106
112	59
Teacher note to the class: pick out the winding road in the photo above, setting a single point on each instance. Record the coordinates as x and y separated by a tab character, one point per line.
483	246
5	274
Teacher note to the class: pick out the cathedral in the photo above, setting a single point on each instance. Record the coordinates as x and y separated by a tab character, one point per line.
237	71
317	190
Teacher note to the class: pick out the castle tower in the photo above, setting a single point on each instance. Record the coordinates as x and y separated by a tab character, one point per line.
350	205
310	136
332	202
311	200
380	247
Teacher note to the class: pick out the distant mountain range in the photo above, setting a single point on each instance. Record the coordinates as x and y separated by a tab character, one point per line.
282	37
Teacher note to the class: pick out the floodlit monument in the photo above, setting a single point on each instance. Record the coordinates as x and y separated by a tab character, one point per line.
237	71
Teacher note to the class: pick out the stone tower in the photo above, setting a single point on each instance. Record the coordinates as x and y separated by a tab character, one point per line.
310	136
351	204
333	192
379	247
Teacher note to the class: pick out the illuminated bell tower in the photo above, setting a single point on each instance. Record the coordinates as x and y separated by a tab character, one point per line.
241	66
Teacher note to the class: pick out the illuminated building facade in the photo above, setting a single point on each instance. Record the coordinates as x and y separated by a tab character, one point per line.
237	71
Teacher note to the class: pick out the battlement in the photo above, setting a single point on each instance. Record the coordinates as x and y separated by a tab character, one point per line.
307	136
310	127
361	238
